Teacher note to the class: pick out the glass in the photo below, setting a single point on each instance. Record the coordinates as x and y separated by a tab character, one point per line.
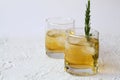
55	36
81	53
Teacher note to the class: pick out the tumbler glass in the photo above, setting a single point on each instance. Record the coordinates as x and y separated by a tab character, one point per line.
81	52
55	35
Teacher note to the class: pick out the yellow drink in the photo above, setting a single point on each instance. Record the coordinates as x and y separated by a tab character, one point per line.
55	36
81	53
55	40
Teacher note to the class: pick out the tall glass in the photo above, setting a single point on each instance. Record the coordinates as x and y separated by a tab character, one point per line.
55	36
81	52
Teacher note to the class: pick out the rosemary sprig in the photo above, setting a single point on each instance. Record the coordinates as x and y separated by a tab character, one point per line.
87	20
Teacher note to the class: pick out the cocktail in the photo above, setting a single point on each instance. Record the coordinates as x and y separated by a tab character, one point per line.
55	36
81	52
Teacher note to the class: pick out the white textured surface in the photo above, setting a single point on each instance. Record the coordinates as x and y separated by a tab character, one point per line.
25	59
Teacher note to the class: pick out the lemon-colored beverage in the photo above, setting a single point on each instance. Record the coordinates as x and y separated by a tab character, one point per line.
55	36
81	55
55	40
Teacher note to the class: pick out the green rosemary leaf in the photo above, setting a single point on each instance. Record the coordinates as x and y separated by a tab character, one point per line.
87	20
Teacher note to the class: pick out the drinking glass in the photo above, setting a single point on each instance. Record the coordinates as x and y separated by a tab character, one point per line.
81	52
55	35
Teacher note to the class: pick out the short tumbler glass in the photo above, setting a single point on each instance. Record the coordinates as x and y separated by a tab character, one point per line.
81	52
55	36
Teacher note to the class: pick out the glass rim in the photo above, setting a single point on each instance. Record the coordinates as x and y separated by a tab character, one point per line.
66	20
93	30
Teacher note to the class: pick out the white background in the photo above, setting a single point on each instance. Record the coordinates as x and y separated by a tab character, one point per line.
27	17
25	58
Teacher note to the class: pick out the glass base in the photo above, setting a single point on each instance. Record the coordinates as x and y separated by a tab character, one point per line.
81	71
56	55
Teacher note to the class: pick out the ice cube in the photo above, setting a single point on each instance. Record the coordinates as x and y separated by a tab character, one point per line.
78	40
61	40
53	33
73	40
89	50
